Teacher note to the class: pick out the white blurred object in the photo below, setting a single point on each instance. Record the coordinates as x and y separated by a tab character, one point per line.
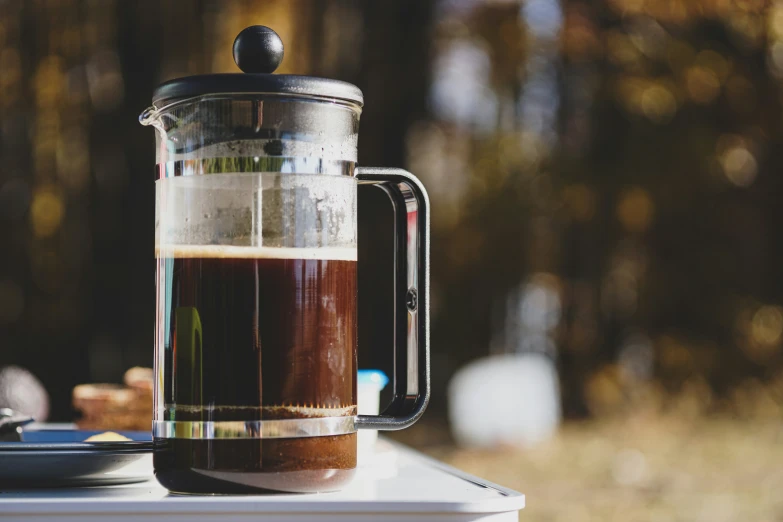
369	383
20	390
505	399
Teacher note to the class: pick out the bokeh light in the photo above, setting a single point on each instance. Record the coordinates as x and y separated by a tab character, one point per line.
635	209
105	80
46	211
768	325
658	103
703	84
738	162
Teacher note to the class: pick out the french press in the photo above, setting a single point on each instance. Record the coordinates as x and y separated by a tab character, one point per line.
256	260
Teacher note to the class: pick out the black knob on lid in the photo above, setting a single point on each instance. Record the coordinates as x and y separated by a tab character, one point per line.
258	49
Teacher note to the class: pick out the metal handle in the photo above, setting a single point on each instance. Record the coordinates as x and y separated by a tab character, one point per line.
411	380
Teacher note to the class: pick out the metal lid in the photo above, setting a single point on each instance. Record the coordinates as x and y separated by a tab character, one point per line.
258	51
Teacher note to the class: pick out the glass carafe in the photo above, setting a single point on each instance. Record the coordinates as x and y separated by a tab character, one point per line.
256	251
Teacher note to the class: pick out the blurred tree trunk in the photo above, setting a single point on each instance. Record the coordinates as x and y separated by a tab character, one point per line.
394	76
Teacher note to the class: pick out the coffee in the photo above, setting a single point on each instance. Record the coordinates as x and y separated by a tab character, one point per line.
251	334
297	465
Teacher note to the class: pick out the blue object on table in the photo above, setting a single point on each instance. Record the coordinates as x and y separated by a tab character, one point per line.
376	377
65	436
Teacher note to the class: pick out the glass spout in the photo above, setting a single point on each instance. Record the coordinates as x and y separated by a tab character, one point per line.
150	116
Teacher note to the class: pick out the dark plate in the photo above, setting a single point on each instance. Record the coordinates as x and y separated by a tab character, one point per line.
60	458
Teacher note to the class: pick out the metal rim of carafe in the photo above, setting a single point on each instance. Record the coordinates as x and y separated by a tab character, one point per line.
258	429
301	165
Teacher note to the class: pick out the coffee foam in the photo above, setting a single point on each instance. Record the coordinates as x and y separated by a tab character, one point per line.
254	252
270	412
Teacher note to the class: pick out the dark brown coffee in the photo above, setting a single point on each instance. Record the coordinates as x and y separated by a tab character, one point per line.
256	334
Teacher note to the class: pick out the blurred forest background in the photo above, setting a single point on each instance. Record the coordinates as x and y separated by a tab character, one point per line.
604	176
611	164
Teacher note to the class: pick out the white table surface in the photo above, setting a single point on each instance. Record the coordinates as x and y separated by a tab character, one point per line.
392	483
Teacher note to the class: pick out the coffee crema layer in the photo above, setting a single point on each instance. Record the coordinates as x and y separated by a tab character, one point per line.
245	413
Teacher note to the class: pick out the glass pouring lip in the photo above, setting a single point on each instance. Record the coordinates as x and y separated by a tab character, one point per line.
151	114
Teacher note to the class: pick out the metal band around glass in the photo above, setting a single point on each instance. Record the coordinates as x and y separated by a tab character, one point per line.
258	164
260	429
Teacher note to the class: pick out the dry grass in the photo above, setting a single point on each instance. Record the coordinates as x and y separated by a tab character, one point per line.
652	468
